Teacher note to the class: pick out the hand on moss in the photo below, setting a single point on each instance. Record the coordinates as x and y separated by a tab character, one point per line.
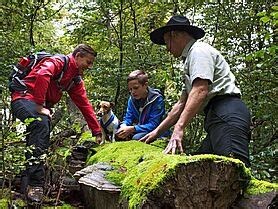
150	137
125	131
175	142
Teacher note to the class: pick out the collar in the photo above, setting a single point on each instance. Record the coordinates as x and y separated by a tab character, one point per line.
186	49
105	125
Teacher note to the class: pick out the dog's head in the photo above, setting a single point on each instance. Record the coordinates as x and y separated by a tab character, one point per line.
104	108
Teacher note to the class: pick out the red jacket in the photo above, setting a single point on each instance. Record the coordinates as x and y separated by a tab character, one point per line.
43	88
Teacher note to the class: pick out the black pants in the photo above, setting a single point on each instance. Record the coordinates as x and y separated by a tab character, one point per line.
38	135
227	123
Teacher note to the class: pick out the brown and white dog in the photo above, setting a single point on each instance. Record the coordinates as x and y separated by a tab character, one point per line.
109	122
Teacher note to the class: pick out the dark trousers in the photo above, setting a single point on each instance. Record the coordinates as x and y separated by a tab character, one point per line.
38	135
227	123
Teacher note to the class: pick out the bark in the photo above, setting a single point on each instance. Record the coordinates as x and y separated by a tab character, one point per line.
268	200
198	185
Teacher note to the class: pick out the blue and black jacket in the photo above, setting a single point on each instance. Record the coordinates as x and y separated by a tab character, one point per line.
148	116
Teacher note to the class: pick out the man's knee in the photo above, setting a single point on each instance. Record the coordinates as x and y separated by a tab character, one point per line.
40	127
40	123
39	134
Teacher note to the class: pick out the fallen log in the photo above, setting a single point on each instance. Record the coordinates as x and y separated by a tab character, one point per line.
258	195
136	175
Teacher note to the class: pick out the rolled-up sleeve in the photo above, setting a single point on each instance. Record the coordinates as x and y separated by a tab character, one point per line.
201	65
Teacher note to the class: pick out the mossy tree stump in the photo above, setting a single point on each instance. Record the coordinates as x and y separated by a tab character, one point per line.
147	178
203	184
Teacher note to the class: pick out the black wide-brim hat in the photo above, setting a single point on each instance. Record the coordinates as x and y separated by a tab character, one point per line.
180	23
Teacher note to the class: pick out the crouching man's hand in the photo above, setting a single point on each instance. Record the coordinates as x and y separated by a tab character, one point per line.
98	138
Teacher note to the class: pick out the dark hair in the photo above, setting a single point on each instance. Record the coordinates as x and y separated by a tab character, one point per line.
139	75
84	49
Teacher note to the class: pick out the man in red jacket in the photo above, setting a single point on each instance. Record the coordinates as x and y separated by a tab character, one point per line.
43	92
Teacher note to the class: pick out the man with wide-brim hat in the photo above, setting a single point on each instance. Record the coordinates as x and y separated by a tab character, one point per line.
179	23
209	88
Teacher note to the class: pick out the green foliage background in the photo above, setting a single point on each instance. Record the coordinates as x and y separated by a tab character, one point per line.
245	33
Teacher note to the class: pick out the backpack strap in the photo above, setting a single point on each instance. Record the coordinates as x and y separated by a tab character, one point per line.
76	80
65	67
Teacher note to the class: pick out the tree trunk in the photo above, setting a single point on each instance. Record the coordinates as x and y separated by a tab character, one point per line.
204	184
152	180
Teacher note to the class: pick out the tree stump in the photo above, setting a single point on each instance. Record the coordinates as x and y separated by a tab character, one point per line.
155	180
204	184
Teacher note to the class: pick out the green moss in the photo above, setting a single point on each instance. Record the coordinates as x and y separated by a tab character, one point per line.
116	176
4	203
256	187
161	143
141	168
126	153
19	202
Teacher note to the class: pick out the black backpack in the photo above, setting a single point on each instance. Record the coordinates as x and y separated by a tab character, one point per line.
25	66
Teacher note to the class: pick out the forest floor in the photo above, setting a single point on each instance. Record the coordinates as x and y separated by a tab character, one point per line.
58	198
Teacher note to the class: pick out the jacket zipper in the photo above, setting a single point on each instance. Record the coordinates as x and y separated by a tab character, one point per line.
145	107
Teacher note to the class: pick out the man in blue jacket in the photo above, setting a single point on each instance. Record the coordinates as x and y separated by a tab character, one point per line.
145	108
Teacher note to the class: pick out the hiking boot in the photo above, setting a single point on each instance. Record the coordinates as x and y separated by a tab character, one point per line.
35	194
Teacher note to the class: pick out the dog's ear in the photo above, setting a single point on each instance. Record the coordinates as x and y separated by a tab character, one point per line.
112	104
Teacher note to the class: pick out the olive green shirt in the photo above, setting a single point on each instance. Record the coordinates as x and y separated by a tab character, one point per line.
205	62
